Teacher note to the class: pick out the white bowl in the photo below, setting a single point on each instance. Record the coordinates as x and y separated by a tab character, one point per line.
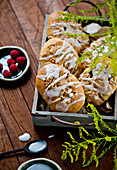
46	161
27	62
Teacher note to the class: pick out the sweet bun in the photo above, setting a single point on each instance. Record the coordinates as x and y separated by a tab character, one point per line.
98	86
59	52
92	52
58	28
60	89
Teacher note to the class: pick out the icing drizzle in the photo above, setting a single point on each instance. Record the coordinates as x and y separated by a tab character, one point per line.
97	43
67	53
72	28
54	93
104	76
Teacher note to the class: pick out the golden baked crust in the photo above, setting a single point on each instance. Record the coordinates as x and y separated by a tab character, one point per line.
60	89
98	47
57	28
98	86
59	52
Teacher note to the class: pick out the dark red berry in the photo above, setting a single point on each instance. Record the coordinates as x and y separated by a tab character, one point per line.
14	53
10	61
1	67
7	74
21	61
13	68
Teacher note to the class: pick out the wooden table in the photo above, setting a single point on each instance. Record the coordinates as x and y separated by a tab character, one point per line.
21	24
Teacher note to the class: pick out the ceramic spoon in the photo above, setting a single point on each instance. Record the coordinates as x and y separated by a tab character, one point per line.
33	147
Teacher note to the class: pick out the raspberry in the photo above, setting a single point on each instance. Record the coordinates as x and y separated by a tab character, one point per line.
10	61
1	67
14	53
21	61
13	68
7	74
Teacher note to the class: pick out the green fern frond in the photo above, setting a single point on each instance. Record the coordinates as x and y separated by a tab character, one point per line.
76	35
70	154
84	156
76	18
72	138
100	4
77	153
67	143
105	150
64	155
77	1
89	11
96	119
74	148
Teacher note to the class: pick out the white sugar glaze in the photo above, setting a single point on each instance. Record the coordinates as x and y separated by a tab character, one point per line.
104	48
104	76
51	71
36	147
70	49
74	41
57	80
25	137
55	92
71	28
63	106
66	52
95	48
73	61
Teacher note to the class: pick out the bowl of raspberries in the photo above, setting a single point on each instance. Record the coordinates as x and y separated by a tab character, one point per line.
14	62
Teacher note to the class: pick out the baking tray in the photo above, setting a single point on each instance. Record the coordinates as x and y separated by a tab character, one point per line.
42	116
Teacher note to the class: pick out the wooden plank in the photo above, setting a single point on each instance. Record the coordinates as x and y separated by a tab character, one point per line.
54	147
18	95
31	17
19	110
31	21
5	145
49	6
15	128
17	37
